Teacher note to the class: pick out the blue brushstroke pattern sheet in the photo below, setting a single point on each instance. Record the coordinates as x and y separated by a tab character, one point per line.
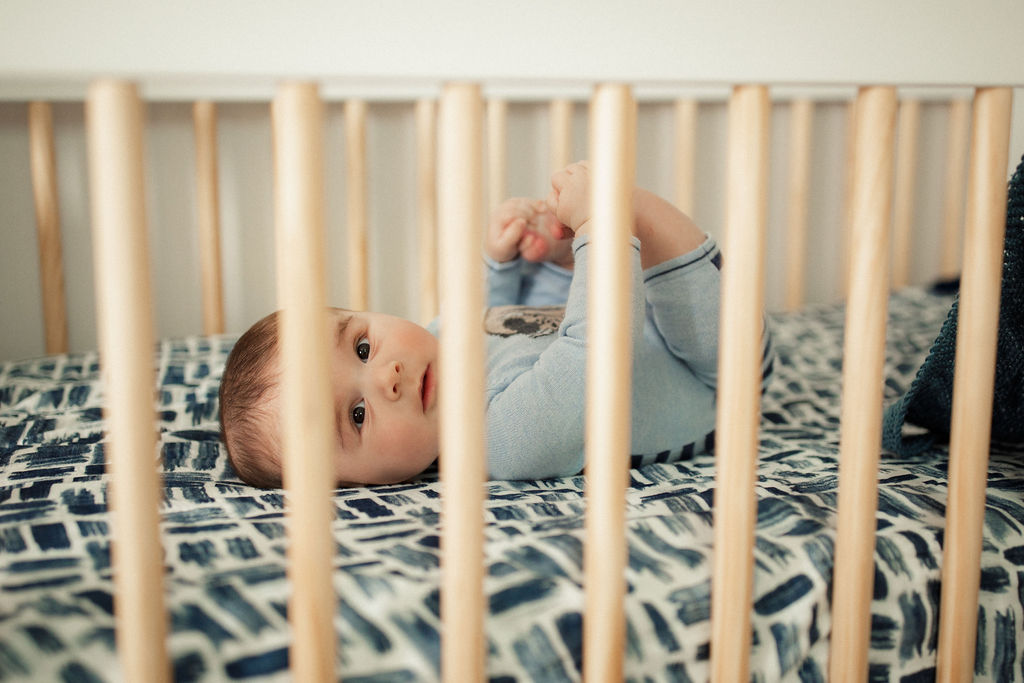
226	587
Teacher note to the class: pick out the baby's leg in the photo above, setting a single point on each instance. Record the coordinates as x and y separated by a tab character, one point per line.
683	297
683	300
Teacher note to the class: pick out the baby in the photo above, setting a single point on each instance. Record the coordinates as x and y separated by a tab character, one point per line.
384	369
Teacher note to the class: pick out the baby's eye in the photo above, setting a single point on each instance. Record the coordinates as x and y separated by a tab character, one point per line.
359	414
363	348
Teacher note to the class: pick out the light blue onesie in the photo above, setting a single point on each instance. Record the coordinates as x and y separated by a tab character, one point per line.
536	362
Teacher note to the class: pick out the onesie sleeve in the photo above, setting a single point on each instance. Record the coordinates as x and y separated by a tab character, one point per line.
545	284
522	283
535	418
503	281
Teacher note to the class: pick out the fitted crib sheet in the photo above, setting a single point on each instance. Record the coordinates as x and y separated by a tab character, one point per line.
225	542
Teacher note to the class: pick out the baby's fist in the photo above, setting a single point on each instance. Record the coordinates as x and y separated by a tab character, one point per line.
569	198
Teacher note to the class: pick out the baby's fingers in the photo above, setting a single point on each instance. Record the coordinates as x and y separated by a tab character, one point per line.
555	226
533	247
502	243
513	232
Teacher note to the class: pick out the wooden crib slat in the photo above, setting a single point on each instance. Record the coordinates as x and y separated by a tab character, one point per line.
356	228
863	358
686	154
954	188
426	200
739	381
461	384
43	160
973	383
906	184
848	189
608	379
799	179
120	247
497	152
306	399
204	116
561	133
612	151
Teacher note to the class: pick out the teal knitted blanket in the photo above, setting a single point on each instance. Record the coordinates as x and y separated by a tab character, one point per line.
928	402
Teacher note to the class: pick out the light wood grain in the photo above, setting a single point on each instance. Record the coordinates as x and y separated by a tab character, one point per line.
608	380
906	184
356	198
863	358
955	187
114	122
497	152
43	160
973	384
461	382
848	188
307	417
739	383
560	112
426	203
686	111
798	183
204	115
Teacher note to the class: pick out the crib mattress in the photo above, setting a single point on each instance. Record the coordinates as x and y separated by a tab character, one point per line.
225	542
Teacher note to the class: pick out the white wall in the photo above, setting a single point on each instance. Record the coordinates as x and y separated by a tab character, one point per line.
247	205
354	41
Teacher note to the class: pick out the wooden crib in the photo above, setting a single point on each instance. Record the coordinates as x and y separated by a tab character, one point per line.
304	72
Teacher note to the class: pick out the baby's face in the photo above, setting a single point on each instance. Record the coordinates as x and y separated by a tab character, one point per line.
384	379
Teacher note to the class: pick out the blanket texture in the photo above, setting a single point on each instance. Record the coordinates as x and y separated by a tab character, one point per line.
225	544
929	401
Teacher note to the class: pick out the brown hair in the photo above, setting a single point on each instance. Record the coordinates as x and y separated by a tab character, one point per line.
249	382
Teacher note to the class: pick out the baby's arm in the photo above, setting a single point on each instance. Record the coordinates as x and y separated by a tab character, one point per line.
680	263
664	231
520	230
535	403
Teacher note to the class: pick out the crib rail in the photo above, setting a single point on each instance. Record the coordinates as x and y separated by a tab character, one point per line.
461	362
607	433
739	372
426	202
863	358
306	400
973	382
798	188
204	114
906	182
115	171
126	341
51	260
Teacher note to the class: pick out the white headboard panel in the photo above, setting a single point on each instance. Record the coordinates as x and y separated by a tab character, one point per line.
182	45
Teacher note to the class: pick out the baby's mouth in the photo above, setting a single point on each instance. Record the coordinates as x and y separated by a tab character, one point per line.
427	384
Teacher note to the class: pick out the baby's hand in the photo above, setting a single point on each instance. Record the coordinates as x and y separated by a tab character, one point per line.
569	199
525	228
509	226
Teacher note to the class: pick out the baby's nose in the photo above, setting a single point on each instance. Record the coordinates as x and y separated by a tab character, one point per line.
390	376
